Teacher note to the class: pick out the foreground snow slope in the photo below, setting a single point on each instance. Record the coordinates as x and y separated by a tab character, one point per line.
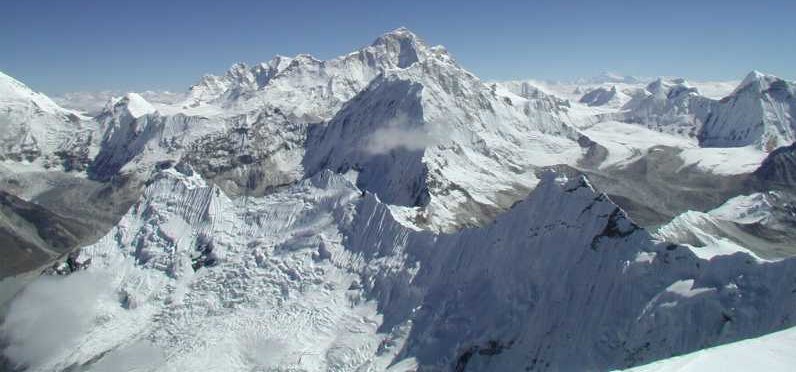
771	353
320	276
283	223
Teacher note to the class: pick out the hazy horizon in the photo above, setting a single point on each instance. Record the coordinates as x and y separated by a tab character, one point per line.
61	47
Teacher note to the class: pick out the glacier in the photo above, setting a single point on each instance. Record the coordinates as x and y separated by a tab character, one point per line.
389	210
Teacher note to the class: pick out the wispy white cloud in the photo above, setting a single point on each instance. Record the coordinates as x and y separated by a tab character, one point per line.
398	133
51	312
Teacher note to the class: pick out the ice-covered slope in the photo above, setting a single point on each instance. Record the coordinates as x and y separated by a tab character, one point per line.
298	90
137	136
320	276
305	87
35	129
763	222
419	129
669	105
760	112
771	353
433	135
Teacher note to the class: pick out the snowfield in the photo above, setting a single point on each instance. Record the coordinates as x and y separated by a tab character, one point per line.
389	210
773	352
322	277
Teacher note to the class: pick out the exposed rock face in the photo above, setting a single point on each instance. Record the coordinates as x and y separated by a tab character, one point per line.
31	235
253	155
779	168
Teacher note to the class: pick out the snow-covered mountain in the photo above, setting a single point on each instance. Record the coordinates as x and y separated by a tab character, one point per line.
461	149
137	137
92	103
320	276
389	210
604	97
760	112
305	87
764	221
35	129
671	106
433	135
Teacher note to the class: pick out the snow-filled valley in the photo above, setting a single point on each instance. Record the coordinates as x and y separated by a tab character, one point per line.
389	210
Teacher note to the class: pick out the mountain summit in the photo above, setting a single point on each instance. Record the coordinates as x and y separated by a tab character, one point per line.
389	210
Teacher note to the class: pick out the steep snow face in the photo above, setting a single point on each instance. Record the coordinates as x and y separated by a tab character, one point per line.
760	112
35	129
308	88
191	278
582	288
320	276
136	136
14	93
436	137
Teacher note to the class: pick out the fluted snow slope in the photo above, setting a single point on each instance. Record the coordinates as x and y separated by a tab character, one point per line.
321	277
310	215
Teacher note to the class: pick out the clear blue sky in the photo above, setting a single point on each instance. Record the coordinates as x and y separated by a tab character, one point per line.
57	46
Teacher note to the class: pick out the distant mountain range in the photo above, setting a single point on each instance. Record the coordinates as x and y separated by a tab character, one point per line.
389	210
